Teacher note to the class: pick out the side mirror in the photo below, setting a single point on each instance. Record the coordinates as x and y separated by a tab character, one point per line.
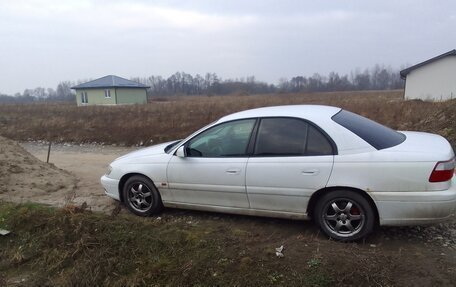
180	152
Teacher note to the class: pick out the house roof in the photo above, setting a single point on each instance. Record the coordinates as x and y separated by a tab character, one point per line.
110	81
405	72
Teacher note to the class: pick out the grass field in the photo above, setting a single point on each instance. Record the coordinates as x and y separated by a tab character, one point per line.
175	117
73	247
85	249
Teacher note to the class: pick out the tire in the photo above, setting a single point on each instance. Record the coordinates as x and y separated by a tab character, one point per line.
141	196
344	215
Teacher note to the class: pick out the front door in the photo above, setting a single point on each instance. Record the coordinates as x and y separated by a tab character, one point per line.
213	170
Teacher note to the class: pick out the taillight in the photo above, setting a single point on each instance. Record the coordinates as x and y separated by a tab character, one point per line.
443	171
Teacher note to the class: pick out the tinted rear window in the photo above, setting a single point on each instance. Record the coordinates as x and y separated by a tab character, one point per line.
290	137
377	135
281	136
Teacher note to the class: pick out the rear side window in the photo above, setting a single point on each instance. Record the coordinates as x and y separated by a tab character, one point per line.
377	135
290	137
317	143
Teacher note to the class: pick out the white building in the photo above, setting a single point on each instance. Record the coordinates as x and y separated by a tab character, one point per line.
434	79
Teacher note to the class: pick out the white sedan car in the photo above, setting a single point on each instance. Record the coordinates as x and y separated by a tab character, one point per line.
344	171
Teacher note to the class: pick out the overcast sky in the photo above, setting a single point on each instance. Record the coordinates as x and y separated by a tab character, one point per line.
43	42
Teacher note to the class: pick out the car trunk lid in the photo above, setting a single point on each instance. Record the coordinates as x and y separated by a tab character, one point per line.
430	146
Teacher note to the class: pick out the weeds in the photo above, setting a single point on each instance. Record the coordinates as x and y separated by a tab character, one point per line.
61	247
162	121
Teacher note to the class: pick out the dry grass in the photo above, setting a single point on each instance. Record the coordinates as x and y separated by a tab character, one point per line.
175	117
73	247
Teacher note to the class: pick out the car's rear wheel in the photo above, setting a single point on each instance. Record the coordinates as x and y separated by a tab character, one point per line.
344	215
141	196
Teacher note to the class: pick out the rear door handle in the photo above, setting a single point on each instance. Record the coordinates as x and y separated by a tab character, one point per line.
233	171
310	172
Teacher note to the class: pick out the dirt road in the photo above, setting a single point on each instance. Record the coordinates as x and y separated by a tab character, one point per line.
88	163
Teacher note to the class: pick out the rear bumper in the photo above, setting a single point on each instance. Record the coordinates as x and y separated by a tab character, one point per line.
111	187
415	208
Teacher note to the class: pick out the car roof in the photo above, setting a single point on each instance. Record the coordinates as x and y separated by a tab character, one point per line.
347	142
309	112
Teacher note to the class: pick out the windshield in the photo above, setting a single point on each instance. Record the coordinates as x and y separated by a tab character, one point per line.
377	135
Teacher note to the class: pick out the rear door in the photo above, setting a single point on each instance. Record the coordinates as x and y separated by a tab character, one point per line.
291	159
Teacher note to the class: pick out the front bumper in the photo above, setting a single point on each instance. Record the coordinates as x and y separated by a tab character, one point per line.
415	208
111	187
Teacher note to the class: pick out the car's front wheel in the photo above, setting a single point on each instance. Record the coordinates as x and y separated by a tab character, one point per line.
344	215
141	196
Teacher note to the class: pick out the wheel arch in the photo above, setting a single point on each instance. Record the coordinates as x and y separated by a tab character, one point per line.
319	193
124	179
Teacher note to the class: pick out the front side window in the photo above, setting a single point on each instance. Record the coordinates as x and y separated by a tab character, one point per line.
107	93
290	137
225	140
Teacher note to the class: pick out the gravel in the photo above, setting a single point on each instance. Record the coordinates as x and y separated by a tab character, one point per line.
442	234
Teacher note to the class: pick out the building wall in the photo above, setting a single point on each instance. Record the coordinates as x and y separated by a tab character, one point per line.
131	96
435	81
96	97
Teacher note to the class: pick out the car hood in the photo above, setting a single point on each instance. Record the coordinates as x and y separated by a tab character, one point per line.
148	151
424	143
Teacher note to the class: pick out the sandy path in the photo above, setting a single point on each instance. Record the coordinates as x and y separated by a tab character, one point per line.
88	163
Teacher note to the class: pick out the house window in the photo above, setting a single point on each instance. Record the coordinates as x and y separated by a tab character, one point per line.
84	99
107	93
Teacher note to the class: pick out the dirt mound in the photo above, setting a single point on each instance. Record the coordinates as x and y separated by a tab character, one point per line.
25	178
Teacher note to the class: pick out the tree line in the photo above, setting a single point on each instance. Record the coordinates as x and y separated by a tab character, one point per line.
62	93
376	78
